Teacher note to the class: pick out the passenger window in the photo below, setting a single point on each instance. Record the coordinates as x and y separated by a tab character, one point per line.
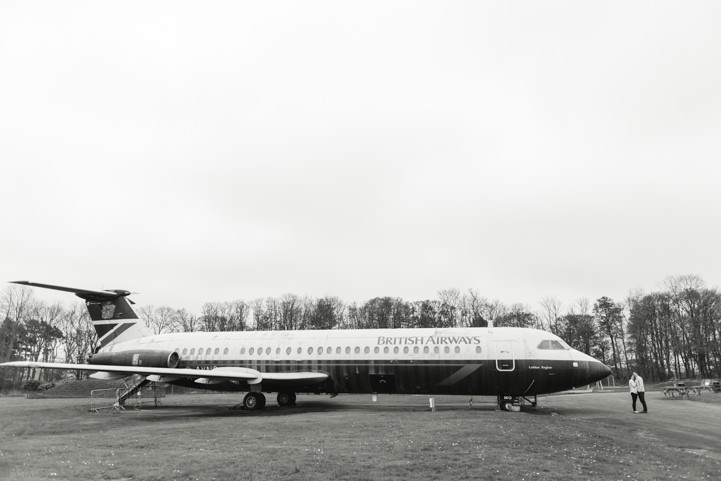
207	352
251	350
192	351
185	351
225	351
367	350
347	350
277	350
337	350
426	349
415	349
310	350
405	350
446	349
458	349
385	350
267	350
478	349
217	351
376	350
395	350
300	350
288	351
357	350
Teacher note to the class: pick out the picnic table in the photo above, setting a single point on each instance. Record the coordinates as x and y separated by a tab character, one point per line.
680	390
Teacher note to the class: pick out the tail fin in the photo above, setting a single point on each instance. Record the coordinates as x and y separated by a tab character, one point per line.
113	318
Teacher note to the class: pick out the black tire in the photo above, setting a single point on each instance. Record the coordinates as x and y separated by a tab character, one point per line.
254	401
286	398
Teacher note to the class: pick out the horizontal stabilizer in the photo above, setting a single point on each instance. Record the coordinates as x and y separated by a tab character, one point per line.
86	294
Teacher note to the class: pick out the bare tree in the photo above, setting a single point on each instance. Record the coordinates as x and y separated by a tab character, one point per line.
79	336
291	312
16	304
516	316
324	313
610	322
160	320
450	309
551	314
187	322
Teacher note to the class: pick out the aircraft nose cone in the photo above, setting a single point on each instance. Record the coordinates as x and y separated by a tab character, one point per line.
599	370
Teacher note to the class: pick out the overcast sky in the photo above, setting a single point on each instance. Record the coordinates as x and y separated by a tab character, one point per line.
212	151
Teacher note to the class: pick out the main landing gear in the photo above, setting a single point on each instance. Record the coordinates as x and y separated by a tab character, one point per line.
286	398
255	401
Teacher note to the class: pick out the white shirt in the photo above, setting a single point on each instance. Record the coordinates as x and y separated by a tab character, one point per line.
632	386
639	384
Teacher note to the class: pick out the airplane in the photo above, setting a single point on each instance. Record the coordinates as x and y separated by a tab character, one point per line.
513	364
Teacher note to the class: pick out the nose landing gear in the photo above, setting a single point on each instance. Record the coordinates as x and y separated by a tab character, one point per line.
507	402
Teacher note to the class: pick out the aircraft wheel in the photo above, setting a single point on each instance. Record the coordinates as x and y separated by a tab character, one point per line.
507	406
254	401
286	398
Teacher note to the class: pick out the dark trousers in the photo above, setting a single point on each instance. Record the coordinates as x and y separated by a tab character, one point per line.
641	397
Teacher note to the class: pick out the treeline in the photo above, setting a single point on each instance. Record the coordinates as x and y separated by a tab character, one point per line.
38	331
670	334
677	332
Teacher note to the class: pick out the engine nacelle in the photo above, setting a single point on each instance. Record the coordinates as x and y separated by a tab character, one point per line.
137	358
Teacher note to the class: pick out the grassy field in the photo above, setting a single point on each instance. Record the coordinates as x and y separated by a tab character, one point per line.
198	437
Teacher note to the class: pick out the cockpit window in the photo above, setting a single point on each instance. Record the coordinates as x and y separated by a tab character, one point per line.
551	344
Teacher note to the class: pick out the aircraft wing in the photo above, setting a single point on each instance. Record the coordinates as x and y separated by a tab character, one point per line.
251	376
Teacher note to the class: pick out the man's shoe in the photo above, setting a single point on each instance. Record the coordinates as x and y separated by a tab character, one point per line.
635	412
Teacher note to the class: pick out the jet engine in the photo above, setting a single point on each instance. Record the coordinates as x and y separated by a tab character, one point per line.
137	358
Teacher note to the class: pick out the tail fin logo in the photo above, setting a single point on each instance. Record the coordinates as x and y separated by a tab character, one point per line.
108	310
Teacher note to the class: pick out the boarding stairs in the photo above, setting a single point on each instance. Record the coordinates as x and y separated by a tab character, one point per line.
131	386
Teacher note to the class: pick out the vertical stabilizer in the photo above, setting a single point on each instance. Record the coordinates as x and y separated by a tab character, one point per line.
110	312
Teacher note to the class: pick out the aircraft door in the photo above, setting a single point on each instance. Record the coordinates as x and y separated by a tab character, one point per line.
505	358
